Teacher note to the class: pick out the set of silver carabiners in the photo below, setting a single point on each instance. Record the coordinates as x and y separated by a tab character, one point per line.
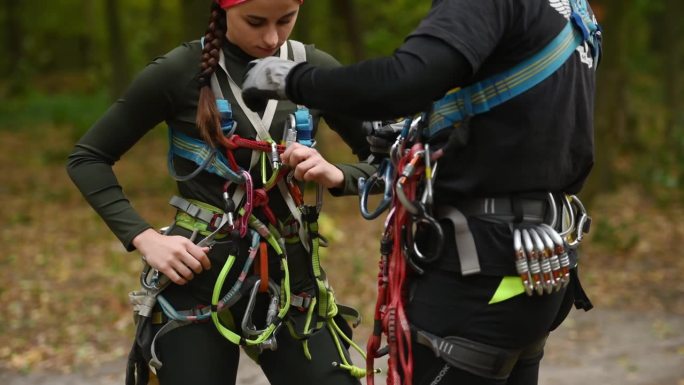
541	252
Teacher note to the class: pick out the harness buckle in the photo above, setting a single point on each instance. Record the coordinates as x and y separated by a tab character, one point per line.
301	301
215	222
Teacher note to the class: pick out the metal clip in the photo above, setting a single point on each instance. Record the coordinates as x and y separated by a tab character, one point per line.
533	259
247	325
408	172
435	229
290	134
521	264
554	259
275	157
559	250
545	264
382	175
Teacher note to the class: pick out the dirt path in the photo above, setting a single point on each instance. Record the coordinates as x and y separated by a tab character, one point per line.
604	347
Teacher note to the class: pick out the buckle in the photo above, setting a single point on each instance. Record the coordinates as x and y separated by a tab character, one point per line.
214	222
301	301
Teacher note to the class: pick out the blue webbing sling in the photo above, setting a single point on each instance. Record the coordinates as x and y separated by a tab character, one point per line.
461	103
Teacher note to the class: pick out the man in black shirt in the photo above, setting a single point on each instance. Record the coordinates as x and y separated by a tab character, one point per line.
506	167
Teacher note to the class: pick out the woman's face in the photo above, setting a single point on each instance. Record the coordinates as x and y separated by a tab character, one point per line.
260	27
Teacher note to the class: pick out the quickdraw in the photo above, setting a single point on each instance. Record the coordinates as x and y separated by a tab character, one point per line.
410	176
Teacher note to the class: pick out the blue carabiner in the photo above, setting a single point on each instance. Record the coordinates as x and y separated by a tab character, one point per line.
382	175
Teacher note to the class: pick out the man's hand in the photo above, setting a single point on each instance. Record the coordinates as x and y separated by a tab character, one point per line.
265	80
381	136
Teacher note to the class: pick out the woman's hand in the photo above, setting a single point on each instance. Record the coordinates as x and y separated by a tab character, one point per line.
310	166
174	256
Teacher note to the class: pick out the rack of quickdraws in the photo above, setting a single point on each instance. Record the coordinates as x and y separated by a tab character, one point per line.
406	181
542	253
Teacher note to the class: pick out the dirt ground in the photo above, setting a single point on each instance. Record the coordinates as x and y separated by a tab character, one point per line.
607	347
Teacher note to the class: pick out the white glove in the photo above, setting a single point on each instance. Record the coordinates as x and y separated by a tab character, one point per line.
265	80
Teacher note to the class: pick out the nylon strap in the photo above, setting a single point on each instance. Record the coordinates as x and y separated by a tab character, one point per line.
480	97
465	243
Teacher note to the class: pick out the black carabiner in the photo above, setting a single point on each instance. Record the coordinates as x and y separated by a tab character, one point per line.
382	175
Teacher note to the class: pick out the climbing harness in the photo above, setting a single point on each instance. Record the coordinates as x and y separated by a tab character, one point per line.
461	103
542	237
236	221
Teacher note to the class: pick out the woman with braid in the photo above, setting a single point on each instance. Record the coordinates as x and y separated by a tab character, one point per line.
225	159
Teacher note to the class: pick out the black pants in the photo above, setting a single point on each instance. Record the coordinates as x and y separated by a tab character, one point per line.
447	304
199	354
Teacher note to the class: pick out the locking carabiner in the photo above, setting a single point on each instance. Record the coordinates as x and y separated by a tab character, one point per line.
247	325
382	175
408	172
435	230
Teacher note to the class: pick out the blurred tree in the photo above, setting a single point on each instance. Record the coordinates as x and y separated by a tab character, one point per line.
346	13
118	49
14	50
194	18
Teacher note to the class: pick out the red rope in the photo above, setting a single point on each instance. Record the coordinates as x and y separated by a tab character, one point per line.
390	315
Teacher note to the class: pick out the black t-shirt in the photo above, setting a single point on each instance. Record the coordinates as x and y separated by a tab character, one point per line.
541	140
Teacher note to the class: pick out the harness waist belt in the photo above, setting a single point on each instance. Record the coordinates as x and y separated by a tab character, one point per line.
505	209
204	214
475	357
498	210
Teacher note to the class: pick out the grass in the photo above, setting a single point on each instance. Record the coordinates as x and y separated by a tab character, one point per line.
64	278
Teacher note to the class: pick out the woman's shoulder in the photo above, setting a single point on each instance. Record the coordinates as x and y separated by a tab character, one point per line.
187	53
319	57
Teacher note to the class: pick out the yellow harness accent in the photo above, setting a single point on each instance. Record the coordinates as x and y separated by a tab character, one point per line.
508	288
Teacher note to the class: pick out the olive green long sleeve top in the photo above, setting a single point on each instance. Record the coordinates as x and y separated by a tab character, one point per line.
167	91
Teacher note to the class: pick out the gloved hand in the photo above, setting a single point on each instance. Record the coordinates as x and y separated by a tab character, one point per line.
265	80
382	135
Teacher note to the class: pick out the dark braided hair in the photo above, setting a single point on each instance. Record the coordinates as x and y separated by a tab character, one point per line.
207	119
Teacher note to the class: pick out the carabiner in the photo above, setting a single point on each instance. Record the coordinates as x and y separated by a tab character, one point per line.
247	325
408	171
583	223
554	210
554	258
533	259
436	230
521	265
570	219
544	262
382	175
559	250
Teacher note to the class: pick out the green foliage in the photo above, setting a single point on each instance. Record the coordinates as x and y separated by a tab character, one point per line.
78	111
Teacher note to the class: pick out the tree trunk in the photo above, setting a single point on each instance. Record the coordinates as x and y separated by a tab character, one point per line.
611	94
672	32
194	18
346	11
118	54
14	50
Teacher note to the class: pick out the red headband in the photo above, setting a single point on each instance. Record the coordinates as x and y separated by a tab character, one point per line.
231	3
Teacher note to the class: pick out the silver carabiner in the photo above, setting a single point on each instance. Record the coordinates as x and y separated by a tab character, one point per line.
583	222
570	212
521	264
408	171
247	325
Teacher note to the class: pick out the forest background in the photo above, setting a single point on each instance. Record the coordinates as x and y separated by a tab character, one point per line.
64	278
